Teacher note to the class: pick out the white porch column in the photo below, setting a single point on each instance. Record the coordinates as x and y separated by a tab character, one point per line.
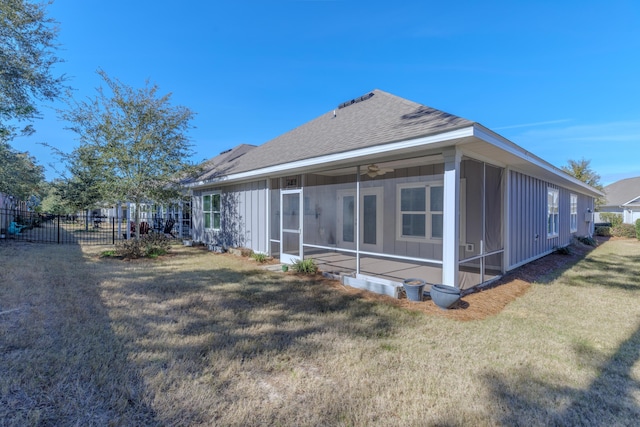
451	220
357	220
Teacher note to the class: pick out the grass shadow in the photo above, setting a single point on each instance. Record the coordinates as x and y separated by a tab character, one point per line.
610	399
58	351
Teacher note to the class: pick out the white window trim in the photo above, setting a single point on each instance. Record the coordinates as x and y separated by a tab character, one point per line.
556	232
212	193
573	213
426	185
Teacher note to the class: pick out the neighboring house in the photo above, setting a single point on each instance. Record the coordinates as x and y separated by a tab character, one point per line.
390	189
623	197
10	208
155	215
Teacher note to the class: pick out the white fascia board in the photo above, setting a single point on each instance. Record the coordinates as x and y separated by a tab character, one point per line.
354	154
630	202
493	138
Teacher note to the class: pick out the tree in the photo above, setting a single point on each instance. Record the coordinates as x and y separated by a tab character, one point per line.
52	202
581	170
20	175
27	56
133	144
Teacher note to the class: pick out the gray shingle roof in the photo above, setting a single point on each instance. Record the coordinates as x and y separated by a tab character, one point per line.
623	191
376	118
223	162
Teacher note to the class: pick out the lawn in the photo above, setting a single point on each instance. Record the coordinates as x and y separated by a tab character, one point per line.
202	339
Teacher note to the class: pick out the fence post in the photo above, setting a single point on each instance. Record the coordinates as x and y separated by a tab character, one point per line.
113	231
58	229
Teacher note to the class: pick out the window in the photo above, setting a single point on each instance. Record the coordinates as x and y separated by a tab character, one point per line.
573	215
552	212
211	211
420	211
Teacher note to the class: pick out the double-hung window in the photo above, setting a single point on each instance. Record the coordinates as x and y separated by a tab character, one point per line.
420	211
211	211
553	213
573	221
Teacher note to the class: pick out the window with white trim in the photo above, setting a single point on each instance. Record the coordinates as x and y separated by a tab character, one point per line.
553	212
211	211
573	213
420	211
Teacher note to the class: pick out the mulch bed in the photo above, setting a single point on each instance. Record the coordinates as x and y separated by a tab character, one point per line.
490	300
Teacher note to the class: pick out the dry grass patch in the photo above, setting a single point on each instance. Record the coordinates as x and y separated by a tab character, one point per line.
201	339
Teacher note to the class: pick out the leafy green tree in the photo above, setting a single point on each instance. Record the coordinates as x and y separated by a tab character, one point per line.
581	169
133	144
52	202
20	175
27	55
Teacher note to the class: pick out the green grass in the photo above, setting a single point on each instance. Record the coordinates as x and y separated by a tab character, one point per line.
204	339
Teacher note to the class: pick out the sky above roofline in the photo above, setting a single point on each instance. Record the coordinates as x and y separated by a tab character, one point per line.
557	78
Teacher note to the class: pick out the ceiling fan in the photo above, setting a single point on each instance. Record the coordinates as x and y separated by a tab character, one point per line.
374	170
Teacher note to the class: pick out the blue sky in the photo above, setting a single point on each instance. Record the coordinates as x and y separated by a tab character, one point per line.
559	78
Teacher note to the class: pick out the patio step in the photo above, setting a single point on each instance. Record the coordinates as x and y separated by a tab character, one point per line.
377	285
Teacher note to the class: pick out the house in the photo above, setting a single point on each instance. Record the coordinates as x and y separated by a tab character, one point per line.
623	197
389	189
10	208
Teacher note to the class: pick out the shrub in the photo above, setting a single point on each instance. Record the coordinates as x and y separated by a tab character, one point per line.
563	250
150	245
624	230
587	240
613	218
638	228
261	258
602	230
305	266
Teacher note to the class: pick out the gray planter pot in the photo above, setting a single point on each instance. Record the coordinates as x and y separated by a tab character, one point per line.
444	296
414	288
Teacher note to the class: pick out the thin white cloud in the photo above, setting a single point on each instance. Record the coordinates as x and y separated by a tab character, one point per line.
525	125
622	131
612	147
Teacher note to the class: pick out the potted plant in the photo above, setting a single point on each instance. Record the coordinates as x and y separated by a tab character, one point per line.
414	288
445	296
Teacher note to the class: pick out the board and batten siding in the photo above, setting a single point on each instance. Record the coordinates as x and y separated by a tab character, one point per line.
244	215
528	218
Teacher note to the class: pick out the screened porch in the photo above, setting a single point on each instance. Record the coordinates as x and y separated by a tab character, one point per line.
387	219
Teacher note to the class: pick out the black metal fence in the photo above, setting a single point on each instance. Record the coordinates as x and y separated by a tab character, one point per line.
81	229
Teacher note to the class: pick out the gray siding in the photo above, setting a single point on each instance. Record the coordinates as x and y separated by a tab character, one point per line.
528	218
244	219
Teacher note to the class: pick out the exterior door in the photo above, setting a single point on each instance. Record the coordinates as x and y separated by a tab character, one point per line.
371	224
290	226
